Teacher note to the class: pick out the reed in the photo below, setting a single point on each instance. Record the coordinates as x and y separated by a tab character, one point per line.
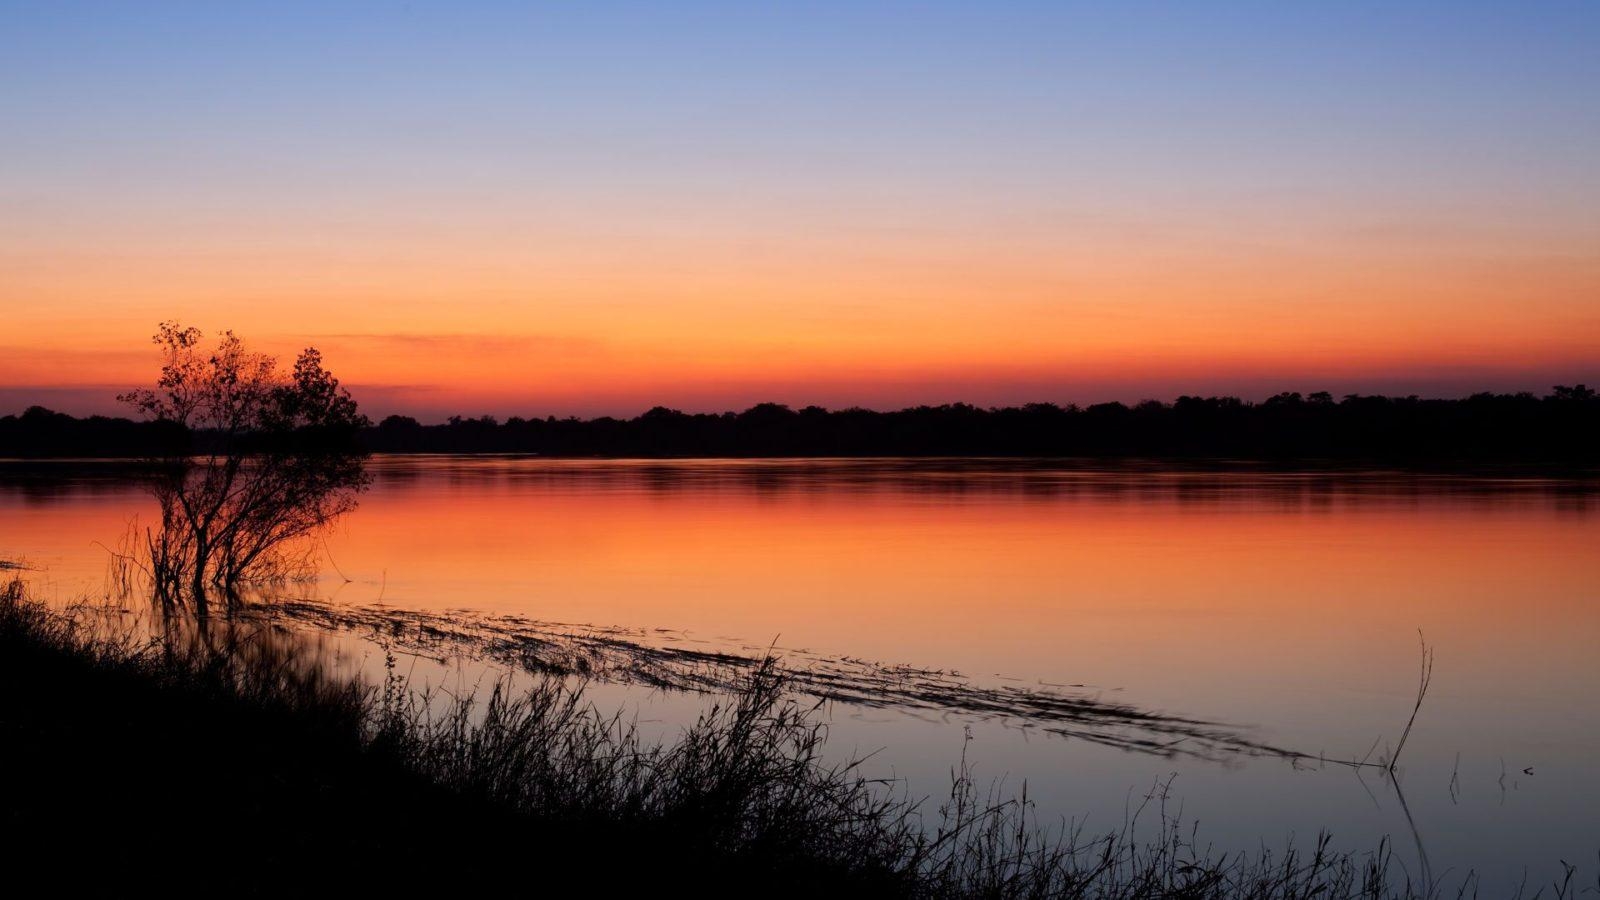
527	788
1424	680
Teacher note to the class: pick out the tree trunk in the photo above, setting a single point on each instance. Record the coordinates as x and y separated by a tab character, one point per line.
197	585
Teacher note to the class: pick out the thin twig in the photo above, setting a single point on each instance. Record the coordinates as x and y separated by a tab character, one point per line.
1422	690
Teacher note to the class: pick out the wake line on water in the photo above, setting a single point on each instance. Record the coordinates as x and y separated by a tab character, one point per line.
656	658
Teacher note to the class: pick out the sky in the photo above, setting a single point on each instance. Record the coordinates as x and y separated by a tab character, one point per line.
595	208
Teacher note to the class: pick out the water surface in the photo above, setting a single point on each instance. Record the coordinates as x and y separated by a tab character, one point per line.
1286	605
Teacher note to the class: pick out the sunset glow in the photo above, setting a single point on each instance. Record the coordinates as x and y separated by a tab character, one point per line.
586	212
1001	448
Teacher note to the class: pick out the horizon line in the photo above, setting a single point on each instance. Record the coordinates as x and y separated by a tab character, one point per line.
1302	396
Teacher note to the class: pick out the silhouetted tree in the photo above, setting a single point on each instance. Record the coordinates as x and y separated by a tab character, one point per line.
275	458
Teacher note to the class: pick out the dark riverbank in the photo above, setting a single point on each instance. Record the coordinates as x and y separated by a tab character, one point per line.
236	765
247	769
1560	431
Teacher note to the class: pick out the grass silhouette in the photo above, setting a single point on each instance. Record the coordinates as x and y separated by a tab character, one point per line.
228	759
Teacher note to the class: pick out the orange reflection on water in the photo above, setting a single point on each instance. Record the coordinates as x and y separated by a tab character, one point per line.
1236	596
1286	606
1181	587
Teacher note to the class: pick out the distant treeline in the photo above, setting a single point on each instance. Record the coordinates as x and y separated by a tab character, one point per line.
1562	428
42	432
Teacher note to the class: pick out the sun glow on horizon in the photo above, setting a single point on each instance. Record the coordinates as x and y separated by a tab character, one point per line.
599	211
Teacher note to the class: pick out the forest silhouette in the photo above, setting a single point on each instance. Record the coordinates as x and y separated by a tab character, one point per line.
1561	428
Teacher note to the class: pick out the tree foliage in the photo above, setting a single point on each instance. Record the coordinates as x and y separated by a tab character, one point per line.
277	461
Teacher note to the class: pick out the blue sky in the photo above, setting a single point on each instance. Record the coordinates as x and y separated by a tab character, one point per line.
1060	152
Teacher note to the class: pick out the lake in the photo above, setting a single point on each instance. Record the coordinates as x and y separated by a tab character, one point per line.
1280	610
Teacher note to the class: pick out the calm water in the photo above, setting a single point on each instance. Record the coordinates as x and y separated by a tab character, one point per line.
1285	604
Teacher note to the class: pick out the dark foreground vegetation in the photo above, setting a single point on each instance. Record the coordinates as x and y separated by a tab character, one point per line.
225	759
1560	429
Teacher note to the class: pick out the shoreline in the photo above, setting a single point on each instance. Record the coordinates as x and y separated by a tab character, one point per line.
1553	472
271	776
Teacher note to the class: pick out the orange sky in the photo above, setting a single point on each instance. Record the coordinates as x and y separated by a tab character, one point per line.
545	323
582	211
